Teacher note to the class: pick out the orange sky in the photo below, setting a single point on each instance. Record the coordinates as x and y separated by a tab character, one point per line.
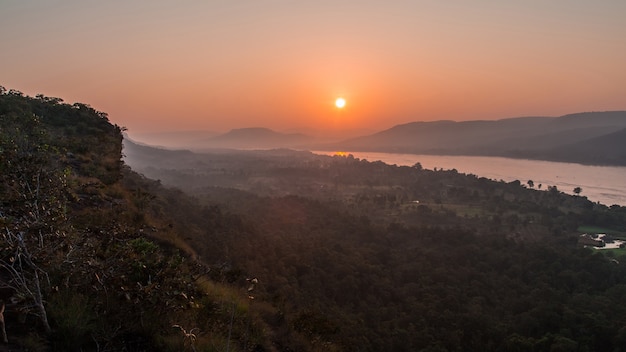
216	65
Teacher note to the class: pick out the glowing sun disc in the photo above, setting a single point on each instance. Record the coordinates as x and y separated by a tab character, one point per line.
340	103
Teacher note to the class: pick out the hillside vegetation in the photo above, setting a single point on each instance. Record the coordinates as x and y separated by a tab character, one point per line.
88	259
285	251
367	256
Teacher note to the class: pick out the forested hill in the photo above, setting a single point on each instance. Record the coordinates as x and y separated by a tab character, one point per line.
285	251
362	255
90	259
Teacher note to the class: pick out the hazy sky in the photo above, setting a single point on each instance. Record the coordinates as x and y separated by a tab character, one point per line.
215	65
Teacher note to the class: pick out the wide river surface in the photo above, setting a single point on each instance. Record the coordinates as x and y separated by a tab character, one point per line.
604	184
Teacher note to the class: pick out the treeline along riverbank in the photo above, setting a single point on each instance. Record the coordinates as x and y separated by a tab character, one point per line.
604	184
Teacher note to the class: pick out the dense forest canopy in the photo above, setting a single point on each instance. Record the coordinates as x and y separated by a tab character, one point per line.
383	257
285	251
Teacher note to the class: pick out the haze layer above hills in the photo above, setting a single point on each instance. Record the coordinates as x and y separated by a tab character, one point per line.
587	138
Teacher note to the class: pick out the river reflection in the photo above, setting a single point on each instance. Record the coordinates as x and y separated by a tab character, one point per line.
604	184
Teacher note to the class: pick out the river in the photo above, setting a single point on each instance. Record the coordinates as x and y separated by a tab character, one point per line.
604	184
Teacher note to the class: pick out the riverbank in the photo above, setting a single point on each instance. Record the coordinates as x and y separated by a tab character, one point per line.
603	184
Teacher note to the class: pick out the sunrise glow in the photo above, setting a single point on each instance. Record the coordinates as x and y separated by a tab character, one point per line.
221	65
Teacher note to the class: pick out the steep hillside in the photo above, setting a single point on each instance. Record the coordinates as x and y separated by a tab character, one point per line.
92	259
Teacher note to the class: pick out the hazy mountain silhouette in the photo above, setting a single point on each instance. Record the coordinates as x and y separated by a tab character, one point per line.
250	138
174	139
143	155
608	149
592	137
331	136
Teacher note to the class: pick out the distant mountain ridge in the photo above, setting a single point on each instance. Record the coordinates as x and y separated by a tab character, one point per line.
257	137
591	138
174	139
588	138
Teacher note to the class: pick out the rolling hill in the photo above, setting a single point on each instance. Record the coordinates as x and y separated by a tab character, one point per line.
257	138
571	138
588	138
549	138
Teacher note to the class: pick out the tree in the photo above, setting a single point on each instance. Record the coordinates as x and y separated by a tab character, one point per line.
577	190
33	191
530	183
25	275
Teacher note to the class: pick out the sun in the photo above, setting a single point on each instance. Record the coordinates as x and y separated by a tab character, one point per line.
340	103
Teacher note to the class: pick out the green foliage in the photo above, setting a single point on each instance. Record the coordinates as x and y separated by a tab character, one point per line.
597	229
352	262
143	246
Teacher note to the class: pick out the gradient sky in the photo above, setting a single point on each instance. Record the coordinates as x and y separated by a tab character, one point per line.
216	65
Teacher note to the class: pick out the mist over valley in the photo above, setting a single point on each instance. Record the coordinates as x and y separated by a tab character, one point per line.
593	138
